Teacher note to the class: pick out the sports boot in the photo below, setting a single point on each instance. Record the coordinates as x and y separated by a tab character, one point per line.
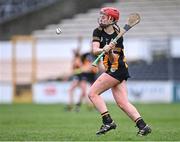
144	131
106	127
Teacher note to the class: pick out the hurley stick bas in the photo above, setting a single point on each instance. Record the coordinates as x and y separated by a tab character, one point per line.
132	20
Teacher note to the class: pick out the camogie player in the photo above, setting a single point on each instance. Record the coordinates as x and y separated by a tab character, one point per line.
88	77
116	73
76	78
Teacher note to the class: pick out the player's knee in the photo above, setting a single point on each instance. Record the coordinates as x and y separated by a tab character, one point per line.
92	95
83	94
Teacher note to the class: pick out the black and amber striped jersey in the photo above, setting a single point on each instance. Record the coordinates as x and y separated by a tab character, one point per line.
99	35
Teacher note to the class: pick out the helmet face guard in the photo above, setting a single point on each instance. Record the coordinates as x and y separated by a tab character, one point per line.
108	16
104	20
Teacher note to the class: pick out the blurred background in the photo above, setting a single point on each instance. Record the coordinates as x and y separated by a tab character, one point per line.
34	60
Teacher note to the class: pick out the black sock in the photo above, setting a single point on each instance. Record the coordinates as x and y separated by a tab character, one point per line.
140	123
78	104
106	118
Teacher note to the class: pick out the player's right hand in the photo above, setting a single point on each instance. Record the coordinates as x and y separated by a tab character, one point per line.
107	48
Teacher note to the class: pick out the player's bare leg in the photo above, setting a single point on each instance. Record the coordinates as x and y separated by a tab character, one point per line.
120	95
71	92
83	86
100	85
90	105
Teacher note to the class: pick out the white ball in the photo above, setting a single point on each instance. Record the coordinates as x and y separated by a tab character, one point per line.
58	30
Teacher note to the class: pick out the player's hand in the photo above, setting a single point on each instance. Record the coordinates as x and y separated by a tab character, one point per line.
106	48
112	44
109	47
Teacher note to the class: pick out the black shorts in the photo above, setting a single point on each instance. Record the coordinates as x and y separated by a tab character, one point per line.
120	74
77	77
89	77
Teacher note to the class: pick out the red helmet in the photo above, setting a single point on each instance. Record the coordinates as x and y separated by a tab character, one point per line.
111	11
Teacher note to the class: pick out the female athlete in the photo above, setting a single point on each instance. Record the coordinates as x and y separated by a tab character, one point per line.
116	73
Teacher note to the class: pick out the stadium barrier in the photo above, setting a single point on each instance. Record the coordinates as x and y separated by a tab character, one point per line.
6	93
138	92
176	92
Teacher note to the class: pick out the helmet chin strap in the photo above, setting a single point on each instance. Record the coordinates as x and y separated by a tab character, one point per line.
106	25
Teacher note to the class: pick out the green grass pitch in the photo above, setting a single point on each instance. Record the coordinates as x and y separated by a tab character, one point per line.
30	122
